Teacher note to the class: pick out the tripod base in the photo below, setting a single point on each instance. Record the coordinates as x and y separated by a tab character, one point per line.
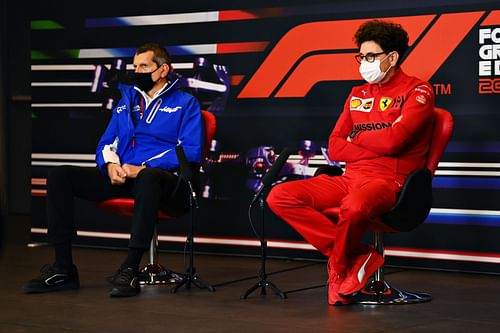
155	273
263	284
188	279
380	293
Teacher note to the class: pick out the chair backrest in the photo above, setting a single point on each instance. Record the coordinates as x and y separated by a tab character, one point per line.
210	123
415	199
443	128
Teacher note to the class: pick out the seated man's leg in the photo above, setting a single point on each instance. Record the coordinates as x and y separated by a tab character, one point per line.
152	190
300	204
367	199
64	183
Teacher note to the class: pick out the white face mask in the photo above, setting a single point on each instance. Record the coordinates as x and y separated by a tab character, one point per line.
370	71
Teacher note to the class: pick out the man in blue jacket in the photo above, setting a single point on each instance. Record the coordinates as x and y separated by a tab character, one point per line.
135	158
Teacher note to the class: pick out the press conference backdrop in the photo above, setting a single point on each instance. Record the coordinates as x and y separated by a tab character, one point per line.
276	75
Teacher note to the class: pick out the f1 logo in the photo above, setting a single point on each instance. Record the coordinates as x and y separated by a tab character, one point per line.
324	51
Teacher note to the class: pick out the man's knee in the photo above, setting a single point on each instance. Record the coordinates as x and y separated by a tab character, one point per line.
148	176
279	195
155	179
59	175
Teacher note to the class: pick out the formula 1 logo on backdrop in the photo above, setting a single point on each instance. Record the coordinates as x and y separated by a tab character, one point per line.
324	51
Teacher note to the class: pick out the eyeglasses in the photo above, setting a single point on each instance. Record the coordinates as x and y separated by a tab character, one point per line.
370	57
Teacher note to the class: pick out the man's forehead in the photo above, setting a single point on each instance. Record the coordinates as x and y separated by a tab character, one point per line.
370	47
144	58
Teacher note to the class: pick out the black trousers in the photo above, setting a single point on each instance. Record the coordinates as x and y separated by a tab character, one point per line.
153	189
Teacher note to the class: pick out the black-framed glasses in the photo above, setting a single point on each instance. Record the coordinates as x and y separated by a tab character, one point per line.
370	57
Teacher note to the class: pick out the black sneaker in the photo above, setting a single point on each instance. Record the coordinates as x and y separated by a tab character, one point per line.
125	283
53	278
112	278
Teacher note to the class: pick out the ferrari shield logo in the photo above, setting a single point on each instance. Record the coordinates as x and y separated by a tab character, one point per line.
384	103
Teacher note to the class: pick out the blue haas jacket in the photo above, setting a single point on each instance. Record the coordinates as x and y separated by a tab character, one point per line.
171	118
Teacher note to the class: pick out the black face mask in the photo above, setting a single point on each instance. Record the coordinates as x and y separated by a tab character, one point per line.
144	81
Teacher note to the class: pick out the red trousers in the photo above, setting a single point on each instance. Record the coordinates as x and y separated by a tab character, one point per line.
361	199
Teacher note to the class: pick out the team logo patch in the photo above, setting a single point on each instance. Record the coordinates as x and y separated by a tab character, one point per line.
361	104
384	103
121	108
169	109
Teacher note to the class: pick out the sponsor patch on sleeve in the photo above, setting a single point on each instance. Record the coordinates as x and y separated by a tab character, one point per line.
423	89
424	92
421	99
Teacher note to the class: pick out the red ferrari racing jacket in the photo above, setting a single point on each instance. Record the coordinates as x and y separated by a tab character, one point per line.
390	127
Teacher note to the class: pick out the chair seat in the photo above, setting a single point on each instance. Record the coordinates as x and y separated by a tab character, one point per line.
125	207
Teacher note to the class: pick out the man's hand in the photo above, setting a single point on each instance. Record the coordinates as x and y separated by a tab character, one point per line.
116	174
132	170
352	135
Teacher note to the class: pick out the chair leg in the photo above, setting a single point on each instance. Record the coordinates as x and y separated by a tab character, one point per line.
379	292
154	272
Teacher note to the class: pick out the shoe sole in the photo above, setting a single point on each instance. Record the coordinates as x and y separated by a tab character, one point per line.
41	290
341	302
115	292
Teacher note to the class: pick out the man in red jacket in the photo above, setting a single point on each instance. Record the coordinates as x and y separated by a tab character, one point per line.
383	135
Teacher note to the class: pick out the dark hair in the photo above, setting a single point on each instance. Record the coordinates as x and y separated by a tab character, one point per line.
161	55
390	36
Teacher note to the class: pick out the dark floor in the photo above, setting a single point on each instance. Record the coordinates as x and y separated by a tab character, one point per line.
462	302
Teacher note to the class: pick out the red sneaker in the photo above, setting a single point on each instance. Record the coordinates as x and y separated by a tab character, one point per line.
334	282
363	267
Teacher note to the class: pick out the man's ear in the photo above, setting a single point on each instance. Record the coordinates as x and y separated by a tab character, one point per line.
165	70
394	58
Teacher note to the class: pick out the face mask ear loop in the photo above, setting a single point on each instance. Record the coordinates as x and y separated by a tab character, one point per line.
385	73
390	66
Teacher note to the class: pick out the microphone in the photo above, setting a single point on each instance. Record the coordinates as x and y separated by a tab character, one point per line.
185	168
271	175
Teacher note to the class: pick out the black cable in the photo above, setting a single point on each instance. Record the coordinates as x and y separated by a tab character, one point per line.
251	222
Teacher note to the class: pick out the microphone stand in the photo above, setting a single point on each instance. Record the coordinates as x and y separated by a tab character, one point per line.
190	277
263	283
